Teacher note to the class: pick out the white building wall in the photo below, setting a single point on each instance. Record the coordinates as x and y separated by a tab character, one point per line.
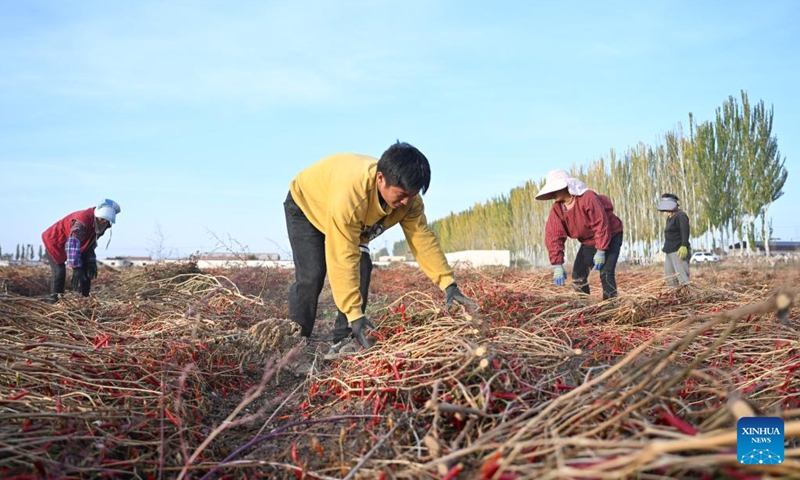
244	263
479	258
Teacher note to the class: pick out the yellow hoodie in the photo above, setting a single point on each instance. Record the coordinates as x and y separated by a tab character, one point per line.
339	196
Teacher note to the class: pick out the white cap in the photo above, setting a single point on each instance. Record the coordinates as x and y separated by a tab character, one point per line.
108	210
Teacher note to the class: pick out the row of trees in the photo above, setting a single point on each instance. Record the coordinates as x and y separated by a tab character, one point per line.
23	252
727	172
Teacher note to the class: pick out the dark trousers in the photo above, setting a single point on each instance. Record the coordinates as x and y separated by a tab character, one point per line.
308	252
59	281
584	262
341	328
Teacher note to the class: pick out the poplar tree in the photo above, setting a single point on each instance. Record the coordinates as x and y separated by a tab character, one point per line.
400	248
727	172
762	169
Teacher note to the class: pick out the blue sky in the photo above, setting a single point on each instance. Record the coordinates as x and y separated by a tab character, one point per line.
195	115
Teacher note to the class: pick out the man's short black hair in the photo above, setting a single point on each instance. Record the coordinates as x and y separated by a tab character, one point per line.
402	165
670	195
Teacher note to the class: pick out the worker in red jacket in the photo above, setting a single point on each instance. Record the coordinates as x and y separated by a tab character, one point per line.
71	242
587	216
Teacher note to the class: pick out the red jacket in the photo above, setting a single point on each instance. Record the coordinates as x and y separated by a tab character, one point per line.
591	220
55	237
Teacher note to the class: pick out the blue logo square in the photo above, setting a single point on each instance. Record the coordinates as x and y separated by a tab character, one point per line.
759	440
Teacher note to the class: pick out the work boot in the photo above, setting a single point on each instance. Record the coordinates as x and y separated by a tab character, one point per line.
303	365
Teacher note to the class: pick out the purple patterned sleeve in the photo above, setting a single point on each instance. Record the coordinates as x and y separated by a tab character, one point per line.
73	245
73	248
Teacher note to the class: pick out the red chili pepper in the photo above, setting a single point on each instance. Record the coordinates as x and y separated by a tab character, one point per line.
491	465
376	405
18	395
732	472
453	472
101	341
562	386
320	450
396	371
298	474
749	388
505	395
172	417
677	422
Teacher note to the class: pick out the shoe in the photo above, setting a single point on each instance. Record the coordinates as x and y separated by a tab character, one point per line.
303	365
303	368
53	299
345	346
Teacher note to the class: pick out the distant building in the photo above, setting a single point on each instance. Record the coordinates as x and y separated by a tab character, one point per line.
479	258
231	260
120	262
7	261
463	259
392	258
775	246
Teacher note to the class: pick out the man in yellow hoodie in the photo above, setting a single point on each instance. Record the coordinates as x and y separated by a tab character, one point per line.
334	209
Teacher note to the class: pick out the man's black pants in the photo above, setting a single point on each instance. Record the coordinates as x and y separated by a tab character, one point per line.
308	252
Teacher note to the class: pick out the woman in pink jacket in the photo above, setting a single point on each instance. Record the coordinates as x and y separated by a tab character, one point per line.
582	214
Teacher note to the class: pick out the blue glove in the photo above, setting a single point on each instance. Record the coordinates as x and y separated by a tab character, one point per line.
599	259
559	275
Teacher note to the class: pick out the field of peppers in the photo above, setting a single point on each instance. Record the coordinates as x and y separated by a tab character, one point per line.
173	372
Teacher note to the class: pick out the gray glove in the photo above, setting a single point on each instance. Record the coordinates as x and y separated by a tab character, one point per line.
361	327
453	293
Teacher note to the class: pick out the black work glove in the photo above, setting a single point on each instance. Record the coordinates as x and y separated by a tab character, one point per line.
361	328
78	274
91	271
453	293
